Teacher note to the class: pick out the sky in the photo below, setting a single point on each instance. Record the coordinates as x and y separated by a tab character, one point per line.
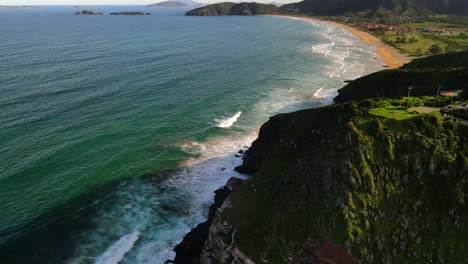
106	2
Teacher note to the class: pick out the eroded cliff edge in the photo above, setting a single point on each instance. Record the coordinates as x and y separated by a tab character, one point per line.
340	184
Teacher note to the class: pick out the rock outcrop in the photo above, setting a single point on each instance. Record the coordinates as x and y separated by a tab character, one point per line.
87	13
130	13
195	244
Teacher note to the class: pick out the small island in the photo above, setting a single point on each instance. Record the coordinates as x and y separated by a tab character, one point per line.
130	13
87	13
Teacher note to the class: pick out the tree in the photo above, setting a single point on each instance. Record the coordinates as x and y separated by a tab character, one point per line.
435	49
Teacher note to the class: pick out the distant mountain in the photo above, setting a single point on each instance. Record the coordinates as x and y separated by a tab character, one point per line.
385	10
192	3
169	4
275	3
22	6
176	3
228	8
377	7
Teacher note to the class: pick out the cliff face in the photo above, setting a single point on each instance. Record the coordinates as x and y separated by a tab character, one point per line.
339	184
361	182
220	246
206	240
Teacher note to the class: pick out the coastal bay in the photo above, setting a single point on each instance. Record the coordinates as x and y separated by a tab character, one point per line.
392	57
104	151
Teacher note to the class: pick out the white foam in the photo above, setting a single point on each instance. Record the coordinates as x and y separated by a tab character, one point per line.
317	93
193	147
324	49
115	253
228	122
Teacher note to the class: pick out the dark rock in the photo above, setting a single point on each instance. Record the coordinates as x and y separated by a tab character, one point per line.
87	13
130	13
240	151
188	251
255	155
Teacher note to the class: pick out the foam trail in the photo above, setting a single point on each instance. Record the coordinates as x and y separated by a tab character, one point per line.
228	122
317	93
115	253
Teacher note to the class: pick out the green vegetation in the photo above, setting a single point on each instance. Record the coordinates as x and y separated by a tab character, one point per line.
418	44
397	108
455	26
381	11
395	112
228	8
391	190
425	75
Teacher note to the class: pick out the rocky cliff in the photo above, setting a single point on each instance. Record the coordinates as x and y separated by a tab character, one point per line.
340	184
208	237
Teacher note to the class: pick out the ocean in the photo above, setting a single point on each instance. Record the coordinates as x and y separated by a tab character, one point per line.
116	130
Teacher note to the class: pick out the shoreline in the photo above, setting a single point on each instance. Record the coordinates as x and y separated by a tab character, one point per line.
390	56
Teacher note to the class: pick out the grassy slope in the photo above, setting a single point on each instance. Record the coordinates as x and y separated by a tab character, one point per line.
358	180
448	43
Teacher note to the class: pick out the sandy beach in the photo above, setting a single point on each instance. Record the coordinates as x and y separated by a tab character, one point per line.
392	57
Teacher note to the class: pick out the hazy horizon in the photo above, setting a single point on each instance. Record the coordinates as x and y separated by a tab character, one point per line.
110	2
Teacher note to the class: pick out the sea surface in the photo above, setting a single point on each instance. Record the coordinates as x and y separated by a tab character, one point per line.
116	130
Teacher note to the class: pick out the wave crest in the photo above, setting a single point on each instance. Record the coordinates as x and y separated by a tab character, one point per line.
228	122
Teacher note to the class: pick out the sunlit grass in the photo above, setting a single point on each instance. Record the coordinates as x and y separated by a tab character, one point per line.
394	112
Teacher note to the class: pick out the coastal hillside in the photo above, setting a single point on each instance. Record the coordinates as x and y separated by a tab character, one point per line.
228	8
425	75
399	9
377	7
345	184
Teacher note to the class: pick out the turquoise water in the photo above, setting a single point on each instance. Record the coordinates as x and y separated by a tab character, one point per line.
116	130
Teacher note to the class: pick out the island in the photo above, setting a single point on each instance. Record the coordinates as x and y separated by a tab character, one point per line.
228	8
87	13
130	13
